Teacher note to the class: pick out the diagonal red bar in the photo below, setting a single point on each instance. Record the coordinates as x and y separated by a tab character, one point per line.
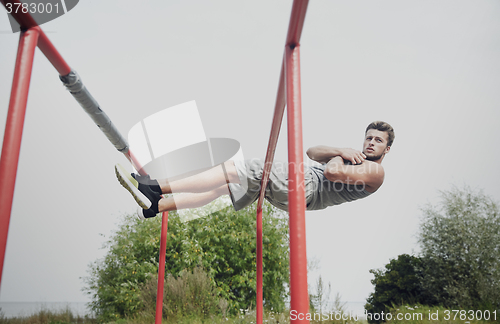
14	132
51	53
271	148
297	18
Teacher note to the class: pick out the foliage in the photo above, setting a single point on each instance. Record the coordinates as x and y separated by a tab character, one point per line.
243	317
399	283
320	301
422	314
193	294
321	309
114	281
228	250
222	243
459	265
460	241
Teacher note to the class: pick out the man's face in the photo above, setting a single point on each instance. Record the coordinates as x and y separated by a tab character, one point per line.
375	145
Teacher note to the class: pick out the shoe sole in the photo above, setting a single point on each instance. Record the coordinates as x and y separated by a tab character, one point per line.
131	185
140	215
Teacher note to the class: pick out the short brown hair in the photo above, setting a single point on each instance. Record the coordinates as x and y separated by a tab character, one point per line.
383	127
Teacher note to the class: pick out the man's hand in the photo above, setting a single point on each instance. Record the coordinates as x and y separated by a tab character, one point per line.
355	156
323	154
368	174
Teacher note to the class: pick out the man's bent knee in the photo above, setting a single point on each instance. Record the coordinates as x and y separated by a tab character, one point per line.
231	172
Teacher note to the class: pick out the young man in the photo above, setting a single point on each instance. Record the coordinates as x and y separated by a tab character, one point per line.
344	175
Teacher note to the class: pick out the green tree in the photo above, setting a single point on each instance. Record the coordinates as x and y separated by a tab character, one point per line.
399	283
223	243
460	241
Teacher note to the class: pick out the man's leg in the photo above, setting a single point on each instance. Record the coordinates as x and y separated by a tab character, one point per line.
191	200
202	182
212	183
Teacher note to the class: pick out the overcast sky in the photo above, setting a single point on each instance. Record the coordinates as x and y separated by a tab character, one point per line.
429	68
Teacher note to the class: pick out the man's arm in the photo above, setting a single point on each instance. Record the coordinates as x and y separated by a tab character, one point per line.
323	154
369	174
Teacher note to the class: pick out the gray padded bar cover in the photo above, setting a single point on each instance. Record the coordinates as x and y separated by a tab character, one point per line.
75	86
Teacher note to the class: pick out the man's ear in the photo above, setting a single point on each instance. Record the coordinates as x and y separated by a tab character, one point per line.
387	149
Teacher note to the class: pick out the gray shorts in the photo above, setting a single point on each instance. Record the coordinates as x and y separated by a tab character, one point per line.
250	175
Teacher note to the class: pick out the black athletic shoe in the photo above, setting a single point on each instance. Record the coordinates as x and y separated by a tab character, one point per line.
146	213
147	181
143	193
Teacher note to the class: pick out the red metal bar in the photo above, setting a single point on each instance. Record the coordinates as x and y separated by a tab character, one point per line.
260	295
161	268
271	148
297	18
295	25
296	191
45	45
135	162
14	132
163	246
279	110
48	49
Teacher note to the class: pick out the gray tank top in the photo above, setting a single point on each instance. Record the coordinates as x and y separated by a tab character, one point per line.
322	193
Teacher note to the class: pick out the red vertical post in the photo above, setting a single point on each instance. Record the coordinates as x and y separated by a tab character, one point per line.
260	295
163	246
14	131
296	191
161	268
297	17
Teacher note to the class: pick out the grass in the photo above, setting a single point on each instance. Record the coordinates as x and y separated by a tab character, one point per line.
407	315
46	316
66	317
243	318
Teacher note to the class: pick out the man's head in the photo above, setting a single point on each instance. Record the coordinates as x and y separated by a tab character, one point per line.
379	137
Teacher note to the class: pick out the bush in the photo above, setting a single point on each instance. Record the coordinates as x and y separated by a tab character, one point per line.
460	241
459	265
192	293
399	283
222	243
